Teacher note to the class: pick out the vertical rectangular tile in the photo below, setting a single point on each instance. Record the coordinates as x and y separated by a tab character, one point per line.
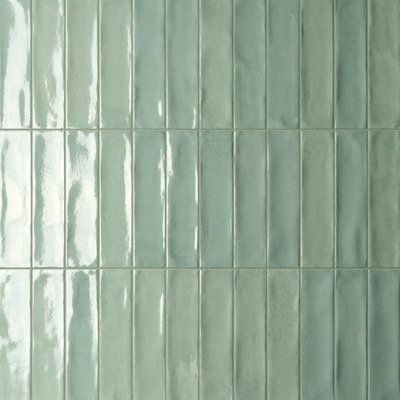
283	199
316	321
283	64
249	64
182	56
317	199
115	335
48	200
82	198
350	63
48	335
351	199
149	335
48	66
116	64
384	64
283	335
81	335
351	335
250	334
316	64
250	208
149	64
182	199
15	207
182	328
216	201
15	335
15	63
216	63
384	164
216	335
81	64
116	199
149	199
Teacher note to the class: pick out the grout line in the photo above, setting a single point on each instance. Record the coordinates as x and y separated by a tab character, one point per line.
132	71
299	124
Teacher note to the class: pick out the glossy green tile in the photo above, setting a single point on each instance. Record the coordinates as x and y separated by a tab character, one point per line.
283	335
15	335
48	335
283	199
317	199
182	199
351	199
15	188
216	199
81	335
283	64
82	198
249	64
48	201
115	335
183	335
250	199
250	334
216	80
116	199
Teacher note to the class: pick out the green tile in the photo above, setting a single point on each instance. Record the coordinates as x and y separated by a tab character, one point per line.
250	199
250	334
283	199
116	199
283	64
249	64
216	199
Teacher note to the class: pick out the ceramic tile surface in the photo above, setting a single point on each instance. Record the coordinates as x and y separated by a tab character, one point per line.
199	199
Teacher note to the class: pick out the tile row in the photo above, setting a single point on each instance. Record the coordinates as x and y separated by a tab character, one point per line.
199	63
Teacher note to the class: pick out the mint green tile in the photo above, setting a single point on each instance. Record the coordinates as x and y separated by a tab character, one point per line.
316	322
15	335
82	198
116	64
351	199
182	200
48	335
15	205
351	335
115	335
249	64
316	64
149	335
15	62
183	329
182	55
81	64
48	201
216	78
81	335
250	200
48	65
149	64
384	164
116	199
351	63
384	64
283	64
216	200
283	335
283	199
250	334
149	199
216	363
317	199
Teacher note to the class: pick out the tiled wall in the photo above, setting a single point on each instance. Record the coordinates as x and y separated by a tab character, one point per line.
200	199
